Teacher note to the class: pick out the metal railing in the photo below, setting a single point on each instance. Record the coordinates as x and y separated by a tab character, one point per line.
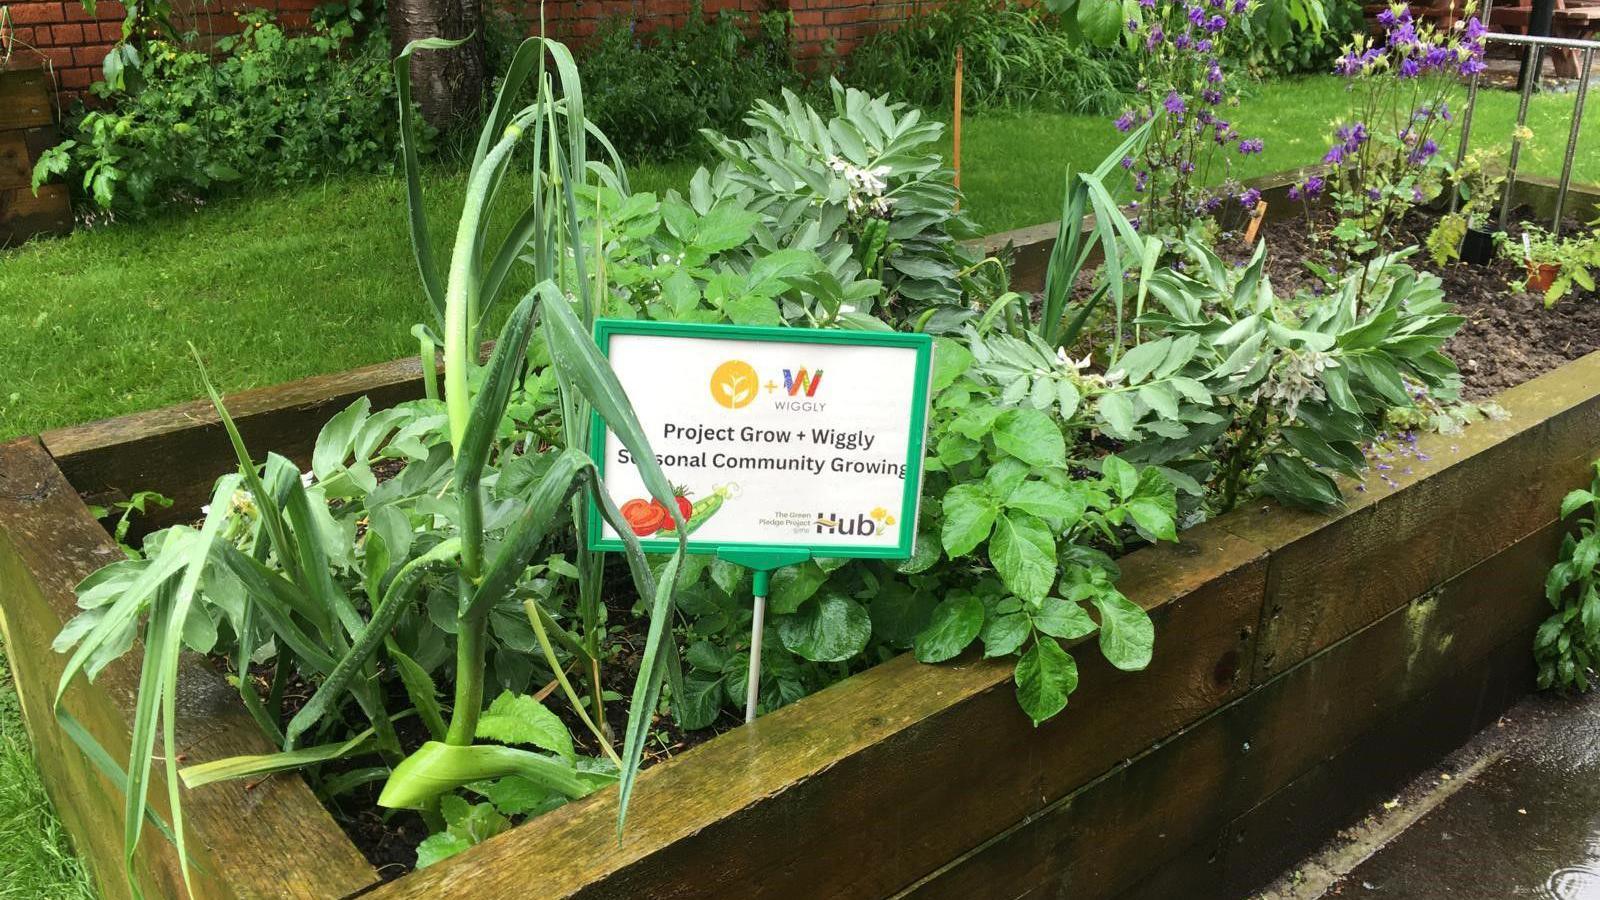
1536	46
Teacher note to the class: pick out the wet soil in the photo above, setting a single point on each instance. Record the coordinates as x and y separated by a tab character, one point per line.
1509	336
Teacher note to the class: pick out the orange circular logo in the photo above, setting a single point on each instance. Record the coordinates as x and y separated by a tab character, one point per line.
734	384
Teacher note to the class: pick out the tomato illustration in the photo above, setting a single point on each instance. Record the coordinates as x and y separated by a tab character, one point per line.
644	516
685	511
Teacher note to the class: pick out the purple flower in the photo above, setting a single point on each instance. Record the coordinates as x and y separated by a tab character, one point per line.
1475	29
1133	25
1141	179
1250	198
1125	121
1386	18
1155	37
1127	162
1404	35
1373	193
1313	185
1250	146
1214	73
1174	104
1239	6
1216	24
1334	156
1409	68
1183	41
1472	65
1425	152
1203	46
1437	57
1186	167
1211	96
1197	16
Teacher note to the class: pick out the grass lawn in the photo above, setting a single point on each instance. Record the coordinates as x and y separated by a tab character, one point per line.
279	286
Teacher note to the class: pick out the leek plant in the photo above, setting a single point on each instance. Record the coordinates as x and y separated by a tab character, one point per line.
319	575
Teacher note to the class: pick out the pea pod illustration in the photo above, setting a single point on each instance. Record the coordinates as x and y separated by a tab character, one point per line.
707	506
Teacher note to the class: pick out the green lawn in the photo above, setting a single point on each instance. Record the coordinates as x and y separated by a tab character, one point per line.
279	286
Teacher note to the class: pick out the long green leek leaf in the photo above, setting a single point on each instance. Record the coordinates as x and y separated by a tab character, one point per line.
235	767
437	768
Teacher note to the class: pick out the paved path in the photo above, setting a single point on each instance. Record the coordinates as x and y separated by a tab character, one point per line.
1515	813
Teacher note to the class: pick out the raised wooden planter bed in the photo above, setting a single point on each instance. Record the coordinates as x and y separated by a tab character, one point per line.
1305	666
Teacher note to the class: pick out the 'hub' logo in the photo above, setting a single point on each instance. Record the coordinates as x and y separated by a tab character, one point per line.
861	525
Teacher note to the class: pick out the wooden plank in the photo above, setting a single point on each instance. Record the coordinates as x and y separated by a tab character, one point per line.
1173	804
24	215
113	458
273	841
859	789
1333	574
24	99
16	164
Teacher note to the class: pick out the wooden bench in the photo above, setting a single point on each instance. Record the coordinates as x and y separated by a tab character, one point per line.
1578	19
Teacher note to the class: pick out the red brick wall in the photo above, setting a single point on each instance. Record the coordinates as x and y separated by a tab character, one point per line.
75	42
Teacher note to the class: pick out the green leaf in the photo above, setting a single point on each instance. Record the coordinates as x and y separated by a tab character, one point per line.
1127	636
954	625
899	613
701	702
1023	550
1046	675
1063	619
1154	505
1049	501
1003	634
1120	476
440	846
1575	501
969	513
832	628
794	585
520	719
1117	412
1032	437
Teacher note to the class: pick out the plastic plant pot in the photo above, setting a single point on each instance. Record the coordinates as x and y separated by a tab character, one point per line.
1541	275
1477	246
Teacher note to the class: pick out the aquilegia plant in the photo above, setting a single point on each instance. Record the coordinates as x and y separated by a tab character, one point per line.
1385	156
1185	88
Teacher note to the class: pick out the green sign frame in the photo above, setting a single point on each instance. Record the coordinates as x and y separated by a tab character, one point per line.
760	555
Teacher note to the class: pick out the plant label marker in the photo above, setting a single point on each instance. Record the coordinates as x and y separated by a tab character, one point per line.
786	444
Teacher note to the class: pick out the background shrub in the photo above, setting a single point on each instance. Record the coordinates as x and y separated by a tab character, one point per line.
1276	44
268	108
652	93
1015	56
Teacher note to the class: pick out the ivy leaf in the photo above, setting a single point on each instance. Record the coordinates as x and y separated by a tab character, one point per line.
1032	437
955	623
1046	675
969	514
830	629
1023	551
1127	636
520	719
1063	619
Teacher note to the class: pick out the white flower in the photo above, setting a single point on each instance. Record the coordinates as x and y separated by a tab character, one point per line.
1293	379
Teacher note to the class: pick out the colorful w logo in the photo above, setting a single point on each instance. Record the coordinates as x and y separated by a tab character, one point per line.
794	384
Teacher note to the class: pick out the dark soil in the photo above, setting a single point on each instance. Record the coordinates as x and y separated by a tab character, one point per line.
1509	336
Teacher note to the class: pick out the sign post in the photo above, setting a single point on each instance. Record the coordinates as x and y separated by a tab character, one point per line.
785	444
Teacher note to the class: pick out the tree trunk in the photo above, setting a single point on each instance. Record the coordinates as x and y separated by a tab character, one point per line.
447	85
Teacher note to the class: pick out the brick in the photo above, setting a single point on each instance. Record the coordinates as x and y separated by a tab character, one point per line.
77	78
89	56
68	34
36	13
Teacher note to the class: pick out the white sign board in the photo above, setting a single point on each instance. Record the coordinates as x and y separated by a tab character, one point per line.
776	437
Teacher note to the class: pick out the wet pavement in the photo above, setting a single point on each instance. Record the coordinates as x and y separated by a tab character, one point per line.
1515	813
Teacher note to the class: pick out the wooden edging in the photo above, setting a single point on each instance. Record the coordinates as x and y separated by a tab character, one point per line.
270	840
